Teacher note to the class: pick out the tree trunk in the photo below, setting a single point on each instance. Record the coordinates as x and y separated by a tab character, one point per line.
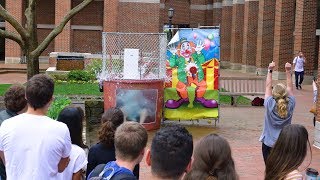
31	45
32	66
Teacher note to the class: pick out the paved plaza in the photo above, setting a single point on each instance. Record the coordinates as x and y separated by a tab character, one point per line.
241	126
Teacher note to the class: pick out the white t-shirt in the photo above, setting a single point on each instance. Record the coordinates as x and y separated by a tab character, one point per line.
299	63
78	160
33	146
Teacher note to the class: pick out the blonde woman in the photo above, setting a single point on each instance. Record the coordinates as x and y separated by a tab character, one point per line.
279	104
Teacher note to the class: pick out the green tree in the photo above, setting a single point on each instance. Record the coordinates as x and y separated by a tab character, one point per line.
26	36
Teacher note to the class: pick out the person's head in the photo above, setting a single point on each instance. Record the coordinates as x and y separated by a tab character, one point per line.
73	118
110	120
15	99
280	94
170	153
288	153
130	141
300	53
212	160
39	91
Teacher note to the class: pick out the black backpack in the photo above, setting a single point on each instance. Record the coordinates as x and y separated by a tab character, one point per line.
99	171
257	101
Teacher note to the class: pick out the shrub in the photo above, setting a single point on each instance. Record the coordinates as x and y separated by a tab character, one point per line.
94	67
59	77
80	75
57	105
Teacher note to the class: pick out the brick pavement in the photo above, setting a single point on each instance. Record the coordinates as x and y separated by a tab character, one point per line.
242	126
17	76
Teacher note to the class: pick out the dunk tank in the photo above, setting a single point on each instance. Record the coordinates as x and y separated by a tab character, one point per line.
134	70
192	86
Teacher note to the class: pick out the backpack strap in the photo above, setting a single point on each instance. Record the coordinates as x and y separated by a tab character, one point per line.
123	176
99	171
96	171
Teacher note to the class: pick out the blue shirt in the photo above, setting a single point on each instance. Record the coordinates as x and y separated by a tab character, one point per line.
116	169
273	124
101	154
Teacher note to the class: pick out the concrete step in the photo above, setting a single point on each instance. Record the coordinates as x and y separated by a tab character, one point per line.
23	71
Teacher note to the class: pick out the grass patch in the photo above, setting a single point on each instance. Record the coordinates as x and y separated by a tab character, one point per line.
67	88
3	88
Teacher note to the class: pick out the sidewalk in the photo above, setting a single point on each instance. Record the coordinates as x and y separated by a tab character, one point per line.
18	75
242	127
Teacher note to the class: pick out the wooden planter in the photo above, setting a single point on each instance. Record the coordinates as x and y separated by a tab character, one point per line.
68	65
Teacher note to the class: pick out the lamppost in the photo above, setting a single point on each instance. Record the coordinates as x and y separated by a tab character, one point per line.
170	15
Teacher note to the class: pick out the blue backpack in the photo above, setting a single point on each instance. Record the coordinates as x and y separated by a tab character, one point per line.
103	172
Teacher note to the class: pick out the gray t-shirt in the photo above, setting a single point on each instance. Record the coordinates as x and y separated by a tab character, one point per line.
6	114
273	124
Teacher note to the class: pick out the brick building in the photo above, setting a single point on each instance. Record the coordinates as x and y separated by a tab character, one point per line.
253	32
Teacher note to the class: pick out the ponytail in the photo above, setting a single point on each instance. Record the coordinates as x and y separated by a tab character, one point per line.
111	119
106	133
282	106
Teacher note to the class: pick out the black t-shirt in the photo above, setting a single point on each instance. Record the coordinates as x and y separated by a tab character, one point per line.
101	154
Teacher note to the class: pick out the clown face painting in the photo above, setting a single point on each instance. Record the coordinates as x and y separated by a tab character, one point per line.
186	50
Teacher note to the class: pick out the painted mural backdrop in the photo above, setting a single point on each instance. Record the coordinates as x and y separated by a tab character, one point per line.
193	70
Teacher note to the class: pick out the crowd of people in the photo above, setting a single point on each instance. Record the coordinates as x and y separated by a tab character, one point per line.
53	149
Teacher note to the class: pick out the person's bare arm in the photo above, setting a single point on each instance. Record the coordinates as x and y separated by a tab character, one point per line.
2	157
294	63
314	85
77	175
63	163
269	81
289	79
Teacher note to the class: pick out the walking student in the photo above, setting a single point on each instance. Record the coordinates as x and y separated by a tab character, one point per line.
298	64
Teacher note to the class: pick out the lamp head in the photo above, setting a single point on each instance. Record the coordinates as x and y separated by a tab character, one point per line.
170	12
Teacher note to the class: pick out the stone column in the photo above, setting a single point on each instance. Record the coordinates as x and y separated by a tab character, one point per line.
110	18
62	42
250	32
305	34
12	49
226	24
237	34
265	39
217	12
198	10
209	12
283	36
317	128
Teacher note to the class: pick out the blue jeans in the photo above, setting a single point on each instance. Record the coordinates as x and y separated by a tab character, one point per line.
298	80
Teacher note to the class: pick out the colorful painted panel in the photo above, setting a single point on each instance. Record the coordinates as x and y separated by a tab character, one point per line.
192	90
